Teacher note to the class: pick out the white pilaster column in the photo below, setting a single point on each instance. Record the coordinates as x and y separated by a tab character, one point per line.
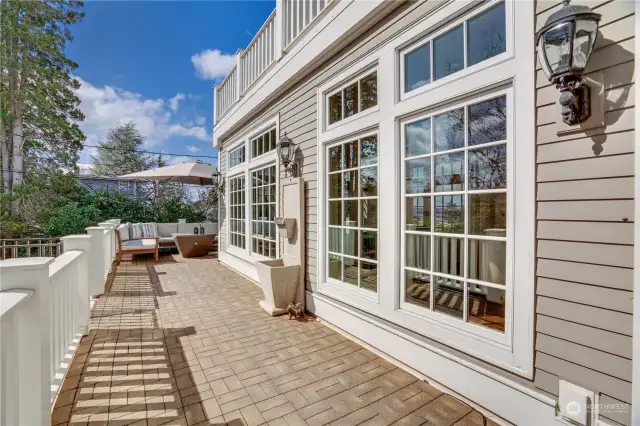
81	243
32	340
96	261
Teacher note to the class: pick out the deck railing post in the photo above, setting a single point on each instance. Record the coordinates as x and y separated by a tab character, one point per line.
32	392
215	104
111	244
239	74
97	261
82	243
279	23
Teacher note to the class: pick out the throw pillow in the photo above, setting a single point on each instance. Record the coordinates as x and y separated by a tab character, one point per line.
149	230
136	231
123	230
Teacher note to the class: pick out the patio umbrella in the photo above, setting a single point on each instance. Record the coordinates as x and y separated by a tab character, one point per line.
192	172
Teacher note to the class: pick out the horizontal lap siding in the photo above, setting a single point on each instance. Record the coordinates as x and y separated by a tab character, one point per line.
585	225
298	117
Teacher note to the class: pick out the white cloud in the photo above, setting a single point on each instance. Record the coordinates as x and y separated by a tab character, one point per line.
213	64
175	101
192	149
107	106
200	121
177	159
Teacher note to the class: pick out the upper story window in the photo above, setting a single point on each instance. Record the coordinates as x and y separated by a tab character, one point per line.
482	36
237	156
263	143
354	97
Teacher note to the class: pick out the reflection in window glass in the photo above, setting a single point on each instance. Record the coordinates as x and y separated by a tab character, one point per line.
335	108
488	121
434	258
488	214
353	98
486	306
418	288
236	157
417	68
486	35
353	212
449	172
486	38
264	143
418	138
350	100
418	179
449	296
263	230
237	207
449	214
448	53
369	91
557	56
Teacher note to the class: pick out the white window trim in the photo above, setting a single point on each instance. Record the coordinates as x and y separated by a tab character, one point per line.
515	351
429	36
251	164
233	149
352	292
372	68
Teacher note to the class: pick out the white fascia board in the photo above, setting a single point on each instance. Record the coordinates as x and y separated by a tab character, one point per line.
348	16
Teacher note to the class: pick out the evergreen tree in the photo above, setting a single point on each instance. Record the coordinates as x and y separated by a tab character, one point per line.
120	153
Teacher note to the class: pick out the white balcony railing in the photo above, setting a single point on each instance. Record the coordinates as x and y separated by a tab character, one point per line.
281	29
44	312
226	94
298	15
260	53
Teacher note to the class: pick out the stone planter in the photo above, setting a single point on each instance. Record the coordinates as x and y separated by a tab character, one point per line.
279	284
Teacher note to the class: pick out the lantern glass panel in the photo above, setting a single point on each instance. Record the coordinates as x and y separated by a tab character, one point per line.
585	37
557	46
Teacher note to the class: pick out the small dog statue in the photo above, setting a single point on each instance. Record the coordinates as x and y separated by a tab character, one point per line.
295	310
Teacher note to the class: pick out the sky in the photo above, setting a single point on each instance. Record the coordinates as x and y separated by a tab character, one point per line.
155	63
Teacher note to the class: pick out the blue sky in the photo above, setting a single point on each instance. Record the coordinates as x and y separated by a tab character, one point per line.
155	62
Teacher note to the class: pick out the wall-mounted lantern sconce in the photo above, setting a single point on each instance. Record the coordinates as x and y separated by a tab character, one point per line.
217	180
565	43
287	151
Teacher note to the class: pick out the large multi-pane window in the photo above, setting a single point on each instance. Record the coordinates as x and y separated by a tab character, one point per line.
455	212
352	226
264	143
237	156
263	211
237	216
353	98
444	54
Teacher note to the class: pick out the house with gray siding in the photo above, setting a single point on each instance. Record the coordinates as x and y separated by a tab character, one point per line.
453	222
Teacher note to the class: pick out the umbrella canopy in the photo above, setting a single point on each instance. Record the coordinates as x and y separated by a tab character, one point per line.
193	172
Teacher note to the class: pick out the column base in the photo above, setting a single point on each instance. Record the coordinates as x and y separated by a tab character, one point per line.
274	312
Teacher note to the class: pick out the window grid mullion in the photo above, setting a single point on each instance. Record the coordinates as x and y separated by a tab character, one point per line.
466	209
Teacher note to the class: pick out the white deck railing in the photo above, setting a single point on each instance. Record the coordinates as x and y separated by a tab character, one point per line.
282	28
260	53
298	15
44	312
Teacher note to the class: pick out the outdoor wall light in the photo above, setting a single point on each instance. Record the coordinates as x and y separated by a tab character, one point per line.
565	43
217	180
287	151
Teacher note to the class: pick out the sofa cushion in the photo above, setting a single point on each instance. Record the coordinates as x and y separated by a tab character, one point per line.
149	230
123	231
166	229
165	240
136	231
139	244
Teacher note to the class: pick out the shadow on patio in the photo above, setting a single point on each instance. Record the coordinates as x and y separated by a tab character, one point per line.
183	342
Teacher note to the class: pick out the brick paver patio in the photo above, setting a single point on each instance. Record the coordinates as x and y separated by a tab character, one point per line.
183	342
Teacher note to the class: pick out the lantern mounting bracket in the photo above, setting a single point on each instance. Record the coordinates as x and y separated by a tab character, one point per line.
575	100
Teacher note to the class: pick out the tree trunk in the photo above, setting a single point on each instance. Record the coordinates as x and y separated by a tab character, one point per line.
18	156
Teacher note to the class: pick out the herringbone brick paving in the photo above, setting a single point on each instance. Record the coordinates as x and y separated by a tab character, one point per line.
184	342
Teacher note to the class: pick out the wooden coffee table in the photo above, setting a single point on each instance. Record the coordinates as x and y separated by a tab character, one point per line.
192	245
